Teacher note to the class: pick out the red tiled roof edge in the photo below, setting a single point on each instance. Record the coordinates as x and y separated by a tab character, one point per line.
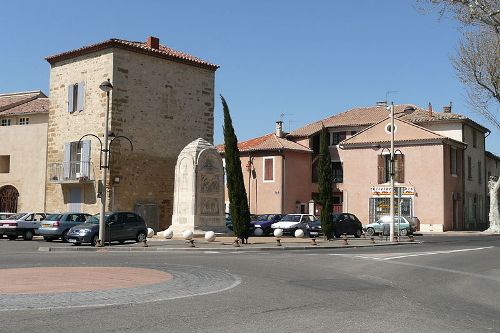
131	46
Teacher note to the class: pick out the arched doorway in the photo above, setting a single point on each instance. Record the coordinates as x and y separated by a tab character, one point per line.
8	199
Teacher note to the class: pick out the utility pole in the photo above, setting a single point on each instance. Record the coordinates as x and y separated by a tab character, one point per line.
391	174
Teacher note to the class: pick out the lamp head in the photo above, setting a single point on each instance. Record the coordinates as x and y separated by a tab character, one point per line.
106	86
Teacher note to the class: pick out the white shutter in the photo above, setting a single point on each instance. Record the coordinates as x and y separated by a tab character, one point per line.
80	96
70	97
85	164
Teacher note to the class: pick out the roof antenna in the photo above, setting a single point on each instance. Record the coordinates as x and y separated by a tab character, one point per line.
389	92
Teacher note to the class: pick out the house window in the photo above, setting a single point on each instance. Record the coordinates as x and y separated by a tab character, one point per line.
268	169
76	160
453	161
469	168
24	121
337	172
479	172
338	137
384	168
76	97
474	138
5	122
4	163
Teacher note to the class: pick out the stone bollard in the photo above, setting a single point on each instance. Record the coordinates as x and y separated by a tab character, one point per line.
372	240
411	238
190	243
278	242
344	238
396	239
236	243
144	243
313	242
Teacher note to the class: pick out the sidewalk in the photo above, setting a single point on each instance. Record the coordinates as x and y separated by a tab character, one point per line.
226	243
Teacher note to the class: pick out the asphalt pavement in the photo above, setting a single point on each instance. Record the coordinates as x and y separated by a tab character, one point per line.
442	283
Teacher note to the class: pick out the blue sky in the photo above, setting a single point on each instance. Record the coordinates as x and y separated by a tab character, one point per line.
306	59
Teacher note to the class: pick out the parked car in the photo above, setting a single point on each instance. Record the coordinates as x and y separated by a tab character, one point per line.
404	227
21	224
3	216
120	226
264	222
346	223
57	225
291	222
313	229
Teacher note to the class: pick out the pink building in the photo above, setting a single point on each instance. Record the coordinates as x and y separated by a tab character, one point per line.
439	167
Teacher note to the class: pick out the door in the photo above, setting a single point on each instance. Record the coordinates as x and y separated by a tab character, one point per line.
75	199
115	227
8	199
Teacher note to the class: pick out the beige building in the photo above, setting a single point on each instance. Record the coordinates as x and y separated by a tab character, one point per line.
23	149
162	99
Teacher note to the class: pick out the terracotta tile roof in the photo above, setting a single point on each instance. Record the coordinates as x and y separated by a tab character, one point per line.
366	116
268	142
23	103
140	47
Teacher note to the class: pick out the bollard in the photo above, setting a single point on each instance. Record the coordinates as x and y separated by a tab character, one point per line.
278	242
372	240
411	238
313	241
396	238
344	238
190	243
363	235
236	243
144	243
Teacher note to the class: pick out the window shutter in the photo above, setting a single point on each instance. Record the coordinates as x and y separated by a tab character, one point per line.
85	167
400	168
81	96
66	160
70	98
381	169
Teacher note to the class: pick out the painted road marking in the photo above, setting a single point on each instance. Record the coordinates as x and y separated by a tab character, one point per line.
435	252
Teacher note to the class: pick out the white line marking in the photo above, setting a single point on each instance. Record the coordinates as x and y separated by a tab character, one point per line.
435	252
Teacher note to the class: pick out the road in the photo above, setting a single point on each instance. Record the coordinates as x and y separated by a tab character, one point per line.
445	284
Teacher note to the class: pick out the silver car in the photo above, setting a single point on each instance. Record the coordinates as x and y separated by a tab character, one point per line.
57	225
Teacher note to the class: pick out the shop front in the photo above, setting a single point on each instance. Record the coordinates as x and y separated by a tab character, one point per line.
380	202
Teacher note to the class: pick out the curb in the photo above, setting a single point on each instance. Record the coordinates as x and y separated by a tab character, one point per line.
218	249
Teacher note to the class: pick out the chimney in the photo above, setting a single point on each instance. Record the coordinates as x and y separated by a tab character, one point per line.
382	103
279	129
447	109
430	109
153	42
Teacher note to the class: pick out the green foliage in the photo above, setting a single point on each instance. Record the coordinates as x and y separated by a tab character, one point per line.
325	184
240	213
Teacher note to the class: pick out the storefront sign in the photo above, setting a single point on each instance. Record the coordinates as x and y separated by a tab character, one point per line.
386	190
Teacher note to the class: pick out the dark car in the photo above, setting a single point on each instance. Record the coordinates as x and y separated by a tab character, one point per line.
346	223
313	229
57	225
264	222
120	226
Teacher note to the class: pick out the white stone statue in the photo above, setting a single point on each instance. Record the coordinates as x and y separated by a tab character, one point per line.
198	190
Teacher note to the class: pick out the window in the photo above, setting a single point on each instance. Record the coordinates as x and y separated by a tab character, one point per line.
24	121
338	137
337	172
268	169
76	160
5	122
469	167
384	168
4	163
479	172
453	160
76	97
474	138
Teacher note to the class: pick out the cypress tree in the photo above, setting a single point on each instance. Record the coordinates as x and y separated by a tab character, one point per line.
240	213
325	184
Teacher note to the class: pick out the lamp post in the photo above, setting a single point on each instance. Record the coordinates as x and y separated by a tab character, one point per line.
391	174
106	86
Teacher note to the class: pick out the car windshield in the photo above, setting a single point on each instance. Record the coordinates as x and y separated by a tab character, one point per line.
53	217
335	217
16	216
291	218
262	218
94	219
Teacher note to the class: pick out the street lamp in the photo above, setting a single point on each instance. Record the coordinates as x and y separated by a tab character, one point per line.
391	174
106	86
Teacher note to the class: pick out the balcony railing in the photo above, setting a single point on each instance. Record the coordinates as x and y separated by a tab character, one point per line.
71	172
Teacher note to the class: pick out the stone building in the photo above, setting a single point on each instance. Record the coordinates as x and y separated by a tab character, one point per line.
162	99
23	148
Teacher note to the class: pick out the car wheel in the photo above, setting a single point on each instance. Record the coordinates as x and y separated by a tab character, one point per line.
358	233
403	232
12	237
370	232
141	237
94	240
48	239
28	235
64	236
